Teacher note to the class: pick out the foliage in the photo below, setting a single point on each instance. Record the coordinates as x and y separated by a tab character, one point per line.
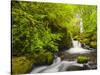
35	27
88	14
82	59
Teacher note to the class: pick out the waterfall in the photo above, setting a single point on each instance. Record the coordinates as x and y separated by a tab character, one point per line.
81	22
77	48
76	43
81	25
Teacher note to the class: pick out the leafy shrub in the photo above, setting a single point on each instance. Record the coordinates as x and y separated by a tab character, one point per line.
43	58
21	65
82	59
76	38
86	41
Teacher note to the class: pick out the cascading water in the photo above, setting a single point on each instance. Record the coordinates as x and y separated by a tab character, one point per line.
81	25
76	43
77	49
57	66
52	68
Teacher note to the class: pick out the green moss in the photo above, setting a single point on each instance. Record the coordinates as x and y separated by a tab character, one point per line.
94	37
21	65
66	40
82	59
86	41
43	58
93	44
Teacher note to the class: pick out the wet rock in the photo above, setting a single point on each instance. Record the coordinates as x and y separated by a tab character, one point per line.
74	68
92	65
86	66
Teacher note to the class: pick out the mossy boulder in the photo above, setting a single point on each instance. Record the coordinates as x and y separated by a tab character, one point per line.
21	65
82	59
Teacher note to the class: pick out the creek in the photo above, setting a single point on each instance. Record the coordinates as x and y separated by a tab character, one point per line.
69	63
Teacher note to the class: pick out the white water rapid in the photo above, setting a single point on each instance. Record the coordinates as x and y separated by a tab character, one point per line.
57	66
77	49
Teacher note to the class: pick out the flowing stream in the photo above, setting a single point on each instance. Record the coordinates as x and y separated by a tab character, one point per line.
77	49
59	66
